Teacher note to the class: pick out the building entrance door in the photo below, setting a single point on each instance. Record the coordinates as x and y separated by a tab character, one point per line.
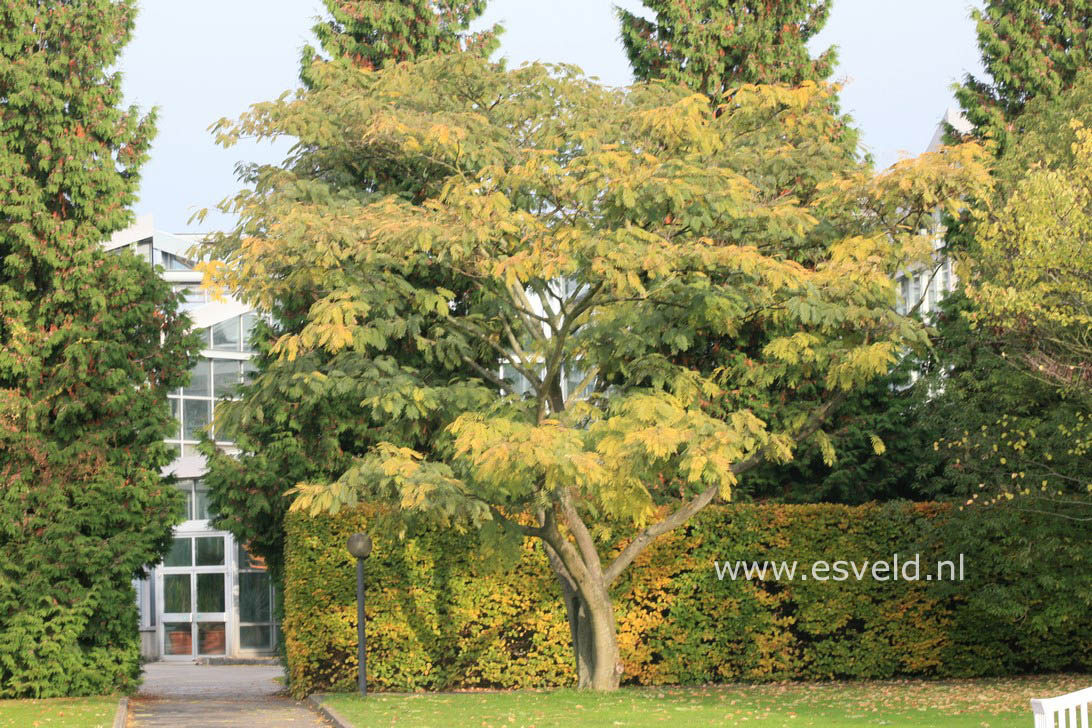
192	585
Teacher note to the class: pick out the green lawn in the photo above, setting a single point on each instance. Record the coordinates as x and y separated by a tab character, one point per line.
59	713
958	704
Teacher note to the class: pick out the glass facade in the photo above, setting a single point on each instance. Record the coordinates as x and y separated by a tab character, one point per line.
194	587
194	296
196	507
216	598
257	630
222	368
208	597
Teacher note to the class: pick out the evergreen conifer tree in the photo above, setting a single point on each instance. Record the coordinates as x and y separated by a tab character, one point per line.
1029	48
89	345
712	46
370	33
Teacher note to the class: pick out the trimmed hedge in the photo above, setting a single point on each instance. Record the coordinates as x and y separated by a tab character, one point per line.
439	620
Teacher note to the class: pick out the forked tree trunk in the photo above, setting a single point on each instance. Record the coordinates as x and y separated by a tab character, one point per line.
593	630
585	583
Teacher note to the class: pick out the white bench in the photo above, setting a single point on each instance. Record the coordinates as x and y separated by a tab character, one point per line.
1073	705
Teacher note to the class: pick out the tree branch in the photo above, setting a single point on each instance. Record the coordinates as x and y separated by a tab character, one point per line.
684	513
566	552
485	373
677	518
525	530
505	354
584	540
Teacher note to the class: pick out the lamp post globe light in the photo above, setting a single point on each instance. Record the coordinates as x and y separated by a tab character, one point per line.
360	547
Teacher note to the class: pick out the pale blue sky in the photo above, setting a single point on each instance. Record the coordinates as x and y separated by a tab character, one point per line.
201	60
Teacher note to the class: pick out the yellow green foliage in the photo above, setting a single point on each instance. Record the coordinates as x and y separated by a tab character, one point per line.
1031	270
582	230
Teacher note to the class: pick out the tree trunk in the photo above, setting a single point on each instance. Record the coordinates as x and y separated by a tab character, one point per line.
606	667
592	628
580	628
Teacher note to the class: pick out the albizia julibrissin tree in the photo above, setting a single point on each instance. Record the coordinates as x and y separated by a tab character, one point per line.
603	233
89	345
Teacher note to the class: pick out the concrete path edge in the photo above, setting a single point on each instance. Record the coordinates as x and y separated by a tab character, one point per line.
338	720
122	714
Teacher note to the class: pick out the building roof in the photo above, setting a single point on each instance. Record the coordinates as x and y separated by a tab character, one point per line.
190	466
952	117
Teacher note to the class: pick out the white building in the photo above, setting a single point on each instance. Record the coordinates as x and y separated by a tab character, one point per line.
209	598
926	286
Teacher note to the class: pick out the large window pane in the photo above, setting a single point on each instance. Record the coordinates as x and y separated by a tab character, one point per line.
249	320
196	415
176	413
176	593
248	560
210	592
144	250
226	375
210	551
201	509
187	508
254	602
180	554
177	638
199	381
211	638
573	377
174	262
194	300
225	335
256	637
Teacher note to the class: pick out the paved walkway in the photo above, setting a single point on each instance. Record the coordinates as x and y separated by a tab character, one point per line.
193	696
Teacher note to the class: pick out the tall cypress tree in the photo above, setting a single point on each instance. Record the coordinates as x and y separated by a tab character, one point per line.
1029	48
89	345
370	33
714	45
